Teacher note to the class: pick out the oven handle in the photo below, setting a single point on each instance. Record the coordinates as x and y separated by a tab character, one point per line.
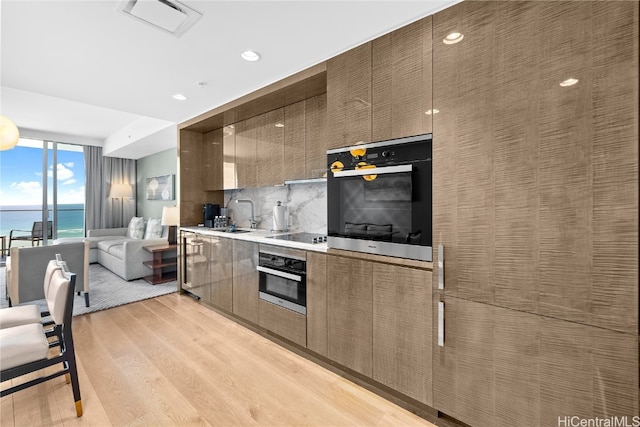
374	171
279	273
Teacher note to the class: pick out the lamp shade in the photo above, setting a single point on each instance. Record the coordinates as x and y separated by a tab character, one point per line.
170	215
9	134
120	191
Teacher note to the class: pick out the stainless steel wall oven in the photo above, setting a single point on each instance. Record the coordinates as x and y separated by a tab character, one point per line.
379	197
283	278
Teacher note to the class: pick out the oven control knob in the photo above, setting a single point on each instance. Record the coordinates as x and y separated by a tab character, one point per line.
385	153
315	240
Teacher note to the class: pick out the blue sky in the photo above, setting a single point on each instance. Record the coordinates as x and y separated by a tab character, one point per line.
21	174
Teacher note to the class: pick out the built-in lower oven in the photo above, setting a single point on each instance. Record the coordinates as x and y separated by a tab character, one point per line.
283	277
379	198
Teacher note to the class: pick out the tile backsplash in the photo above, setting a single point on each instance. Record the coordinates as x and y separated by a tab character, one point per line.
306	206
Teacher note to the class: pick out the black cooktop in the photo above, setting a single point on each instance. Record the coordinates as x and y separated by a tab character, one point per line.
301	237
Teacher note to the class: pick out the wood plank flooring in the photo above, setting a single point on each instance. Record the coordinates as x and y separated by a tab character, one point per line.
169	361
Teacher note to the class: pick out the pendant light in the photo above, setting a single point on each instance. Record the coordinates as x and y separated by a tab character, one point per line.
9	134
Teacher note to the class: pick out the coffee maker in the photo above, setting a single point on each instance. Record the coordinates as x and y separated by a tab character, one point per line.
210	211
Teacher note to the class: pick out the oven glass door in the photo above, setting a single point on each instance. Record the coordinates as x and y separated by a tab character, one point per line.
386	204
283	288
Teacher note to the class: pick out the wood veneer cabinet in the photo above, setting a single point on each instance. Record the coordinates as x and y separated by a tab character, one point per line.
402	330
401	82
221	272
316	131
349	97
294	141
350	313
246	152
228	166
270	148
245	280
502	367
285	323
535	184
317	302
212	153
195	274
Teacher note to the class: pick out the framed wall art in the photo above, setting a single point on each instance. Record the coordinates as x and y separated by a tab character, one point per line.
160	187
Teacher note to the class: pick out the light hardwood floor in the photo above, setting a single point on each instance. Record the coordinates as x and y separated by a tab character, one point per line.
170	361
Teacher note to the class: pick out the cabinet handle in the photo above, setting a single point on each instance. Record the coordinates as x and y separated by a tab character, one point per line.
441	323
440	267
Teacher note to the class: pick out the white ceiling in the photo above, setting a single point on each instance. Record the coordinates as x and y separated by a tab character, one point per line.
83	71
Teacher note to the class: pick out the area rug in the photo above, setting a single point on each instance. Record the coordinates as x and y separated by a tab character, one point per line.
106	290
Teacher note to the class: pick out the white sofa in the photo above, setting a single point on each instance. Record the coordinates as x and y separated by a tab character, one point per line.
123	255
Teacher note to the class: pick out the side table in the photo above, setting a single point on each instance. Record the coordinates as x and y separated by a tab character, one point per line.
164	256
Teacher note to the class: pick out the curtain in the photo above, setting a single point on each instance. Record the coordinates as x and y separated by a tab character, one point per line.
93	194
101	211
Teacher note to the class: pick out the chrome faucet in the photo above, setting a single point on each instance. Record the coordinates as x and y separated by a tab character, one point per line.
252	220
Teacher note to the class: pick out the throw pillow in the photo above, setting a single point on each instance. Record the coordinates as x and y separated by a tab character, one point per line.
136	228
154	229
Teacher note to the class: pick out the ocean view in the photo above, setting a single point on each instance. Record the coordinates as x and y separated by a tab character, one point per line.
70	219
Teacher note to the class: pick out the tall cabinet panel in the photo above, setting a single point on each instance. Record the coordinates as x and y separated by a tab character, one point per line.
502	367
349	97
269	148
401	74
317	302
246	153
535	193
350	313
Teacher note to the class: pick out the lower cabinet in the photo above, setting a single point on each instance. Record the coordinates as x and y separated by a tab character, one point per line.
402	330
317	302
221	272
350	313
501	367
195	269
286	323
245	280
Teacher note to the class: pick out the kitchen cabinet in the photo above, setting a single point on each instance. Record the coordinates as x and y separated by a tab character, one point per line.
294	141
317	302
402	320
535	192
245	280
282	322
349	97
220	272
195	276
211	160
246	152
502	367
401	82
350	313
316	142
270	148
229	170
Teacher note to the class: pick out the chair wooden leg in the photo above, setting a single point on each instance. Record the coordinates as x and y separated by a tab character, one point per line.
79	408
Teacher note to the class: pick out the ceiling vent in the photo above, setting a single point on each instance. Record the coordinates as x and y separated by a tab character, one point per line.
167	15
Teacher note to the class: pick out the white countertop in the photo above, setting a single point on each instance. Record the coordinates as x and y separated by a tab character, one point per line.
260	236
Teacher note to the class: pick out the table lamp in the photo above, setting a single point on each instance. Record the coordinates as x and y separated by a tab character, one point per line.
170	217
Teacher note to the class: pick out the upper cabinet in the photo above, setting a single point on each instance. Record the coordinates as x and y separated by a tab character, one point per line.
349	97
401	76
535	154
246	152
229	169
213	148
294	141
270	148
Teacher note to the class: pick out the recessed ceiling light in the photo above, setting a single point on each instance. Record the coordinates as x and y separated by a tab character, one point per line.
453	38
569	82
179	97
249	55
279	125
430	112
